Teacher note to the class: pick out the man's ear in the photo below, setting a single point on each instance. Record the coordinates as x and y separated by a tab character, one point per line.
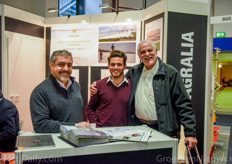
125	66
50	64
156	51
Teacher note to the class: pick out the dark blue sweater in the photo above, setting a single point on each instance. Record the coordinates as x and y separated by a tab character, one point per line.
52	106
9	125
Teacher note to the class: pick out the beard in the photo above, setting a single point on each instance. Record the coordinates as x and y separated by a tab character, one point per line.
62	78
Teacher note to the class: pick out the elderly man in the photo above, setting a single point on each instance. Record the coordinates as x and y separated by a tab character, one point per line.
158	96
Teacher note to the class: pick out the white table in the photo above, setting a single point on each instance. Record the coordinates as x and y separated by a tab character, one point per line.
159	149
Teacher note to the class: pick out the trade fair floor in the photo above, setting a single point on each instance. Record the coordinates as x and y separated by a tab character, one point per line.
222	153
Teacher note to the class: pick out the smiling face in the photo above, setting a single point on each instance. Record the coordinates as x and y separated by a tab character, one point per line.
147	54
116	67
62	68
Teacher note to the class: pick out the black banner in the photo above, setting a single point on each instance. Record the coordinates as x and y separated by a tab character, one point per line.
186	51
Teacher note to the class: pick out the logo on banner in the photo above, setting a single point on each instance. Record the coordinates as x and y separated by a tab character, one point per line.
186	60
74	30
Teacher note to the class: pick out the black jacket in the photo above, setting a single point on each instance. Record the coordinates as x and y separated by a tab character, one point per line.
9	125
173	105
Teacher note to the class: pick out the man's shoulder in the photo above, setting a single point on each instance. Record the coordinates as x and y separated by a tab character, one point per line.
128	79
44	86
102	81
169	69
137	66
6	104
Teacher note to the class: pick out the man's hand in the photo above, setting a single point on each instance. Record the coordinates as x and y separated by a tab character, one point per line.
93	90
192	142
83	124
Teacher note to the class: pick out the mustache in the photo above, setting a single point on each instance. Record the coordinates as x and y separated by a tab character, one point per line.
65	72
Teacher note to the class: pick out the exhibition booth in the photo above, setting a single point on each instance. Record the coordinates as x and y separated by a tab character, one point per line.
179	28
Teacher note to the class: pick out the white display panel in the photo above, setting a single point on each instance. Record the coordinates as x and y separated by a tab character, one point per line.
154	32
76	74
88	42
26	70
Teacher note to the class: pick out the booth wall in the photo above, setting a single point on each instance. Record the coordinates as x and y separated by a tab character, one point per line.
32	6
23	50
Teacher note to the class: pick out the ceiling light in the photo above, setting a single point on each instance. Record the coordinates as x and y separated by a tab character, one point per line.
106	5
52	10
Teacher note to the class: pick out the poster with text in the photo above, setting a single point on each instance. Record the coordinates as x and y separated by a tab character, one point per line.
91	44
81	40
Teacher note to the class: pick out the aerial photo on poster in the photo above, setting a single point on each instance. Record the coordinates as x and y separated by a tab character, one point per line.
154	32
117	33
117	37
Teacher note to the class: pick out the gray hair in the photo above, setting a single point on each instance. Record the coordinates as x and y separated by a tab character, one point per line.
148	41
59	52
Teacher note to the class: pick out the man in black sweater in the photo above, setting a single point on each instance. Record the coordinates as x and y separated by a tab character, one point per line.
9	121
57	100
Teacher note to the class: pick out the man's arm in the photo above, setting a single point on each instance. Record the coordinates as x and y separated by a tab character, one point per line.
40	114
93	89
7	122
184	110
91	108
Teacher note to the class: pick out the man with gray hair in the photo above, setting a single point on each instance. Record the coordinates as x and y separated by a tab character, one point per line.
158	96
57	100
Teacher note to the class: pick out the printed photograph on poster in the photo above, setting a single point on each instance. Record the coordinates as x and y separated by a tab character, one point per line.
75	74
154	31
128	47
117	33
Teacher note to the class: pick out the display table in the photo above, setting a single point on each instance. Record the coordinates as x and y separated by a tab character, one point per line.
159	149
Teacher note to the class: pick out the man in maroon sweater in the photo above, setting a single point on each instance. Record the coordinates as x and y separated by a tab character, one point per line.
109	106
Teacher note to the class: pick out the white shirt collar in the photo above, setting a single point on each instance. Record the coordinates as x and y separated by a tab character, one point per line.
124	80
154	69
62	85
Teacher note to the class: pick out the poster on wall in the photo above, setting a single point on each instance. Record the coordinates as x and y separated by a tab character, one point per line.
81	40
154	31
117	37
91	44
75	74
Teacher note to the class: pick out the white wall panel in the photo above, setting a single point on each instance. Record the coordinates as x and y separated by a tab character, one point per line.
26	66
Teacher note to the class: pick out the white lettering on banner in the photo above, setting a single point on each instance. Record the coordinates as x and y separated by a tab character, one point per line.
186	61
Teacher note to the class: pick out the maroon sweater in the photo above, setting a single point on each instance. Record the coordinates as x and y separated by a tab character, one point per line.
109	107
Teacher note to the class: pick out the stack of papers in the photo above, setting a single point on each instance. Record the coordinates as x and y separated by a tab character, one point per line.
128	134
82	136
